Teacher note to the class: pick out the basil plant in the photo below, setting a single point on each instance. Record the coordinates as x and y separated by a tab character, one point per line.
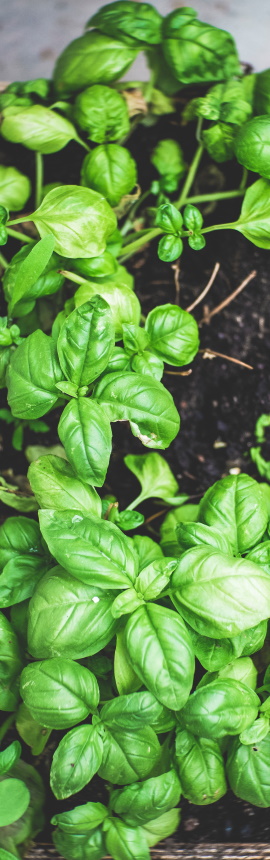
127	662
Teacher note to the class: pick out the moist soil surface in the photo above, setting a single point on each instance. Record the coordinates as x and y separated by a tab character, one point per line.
219	402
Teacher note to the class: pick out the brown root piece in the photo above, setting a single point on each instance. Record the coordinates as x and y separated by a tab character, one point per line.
206	289
209	314
210	353
176	269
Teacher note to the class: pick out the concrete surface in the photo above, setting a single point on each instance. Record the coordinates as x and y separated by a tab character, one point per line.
34	32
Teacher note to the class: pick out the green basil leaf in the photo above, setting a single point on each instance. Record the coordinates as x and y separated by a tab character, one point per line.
173	334
256	732
170	248
125	678
19	274
148	364
252	145
9	756
76	760
78	847
142	401
169	219
236	506
132	711
248	770
89	624
81	819
128	520
110	170
260	83
155	577
105	265
118	293
223	707
162	827
214	654
154	475
125	20
197	52
86	341
261	554
185	513
197	242
20	577
137	803
15	188
84	430
125	843
160	650
195	534
102	112
10	666
219	141
37	127
54	483
31	732
168	159
19	536
126	602
147	550
254	220
218	595
14	800
32	376
251	640
128	755
200	767
241	669
80	219
94	551
58	692
91	59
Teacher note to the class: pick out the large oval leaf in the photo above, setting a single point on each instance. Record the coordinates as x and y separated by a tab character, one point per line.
14	800
248	769
236	506
55	484
94	551
91	59
218	595
128	755
89	624
59	692
138	803
80	220
254	220
173	333
76	760
160	650
223	707
110	170
33	373
200	766
85	431
144	402
86	341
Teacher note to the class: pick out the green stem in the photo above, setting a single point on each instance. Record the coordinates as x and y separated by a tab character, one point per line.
128	223
222	195
19	220
135	246
72	277
229	226
6	725
190	177
140	498
82	143
39	178
243	182
20	236
3	261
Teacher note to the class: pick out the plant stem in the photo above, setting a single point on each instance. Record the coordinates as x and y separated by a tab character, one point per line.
135	246
3	261
140	498
39	178
17	235
19	220
220	195
190	177
6	725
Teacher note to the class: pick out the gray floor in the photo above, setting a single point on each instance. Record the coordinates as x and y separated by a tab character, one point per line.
33	32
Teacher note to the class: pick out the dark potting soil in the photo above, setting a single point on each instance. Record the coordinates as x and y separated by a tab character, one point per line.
219	402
